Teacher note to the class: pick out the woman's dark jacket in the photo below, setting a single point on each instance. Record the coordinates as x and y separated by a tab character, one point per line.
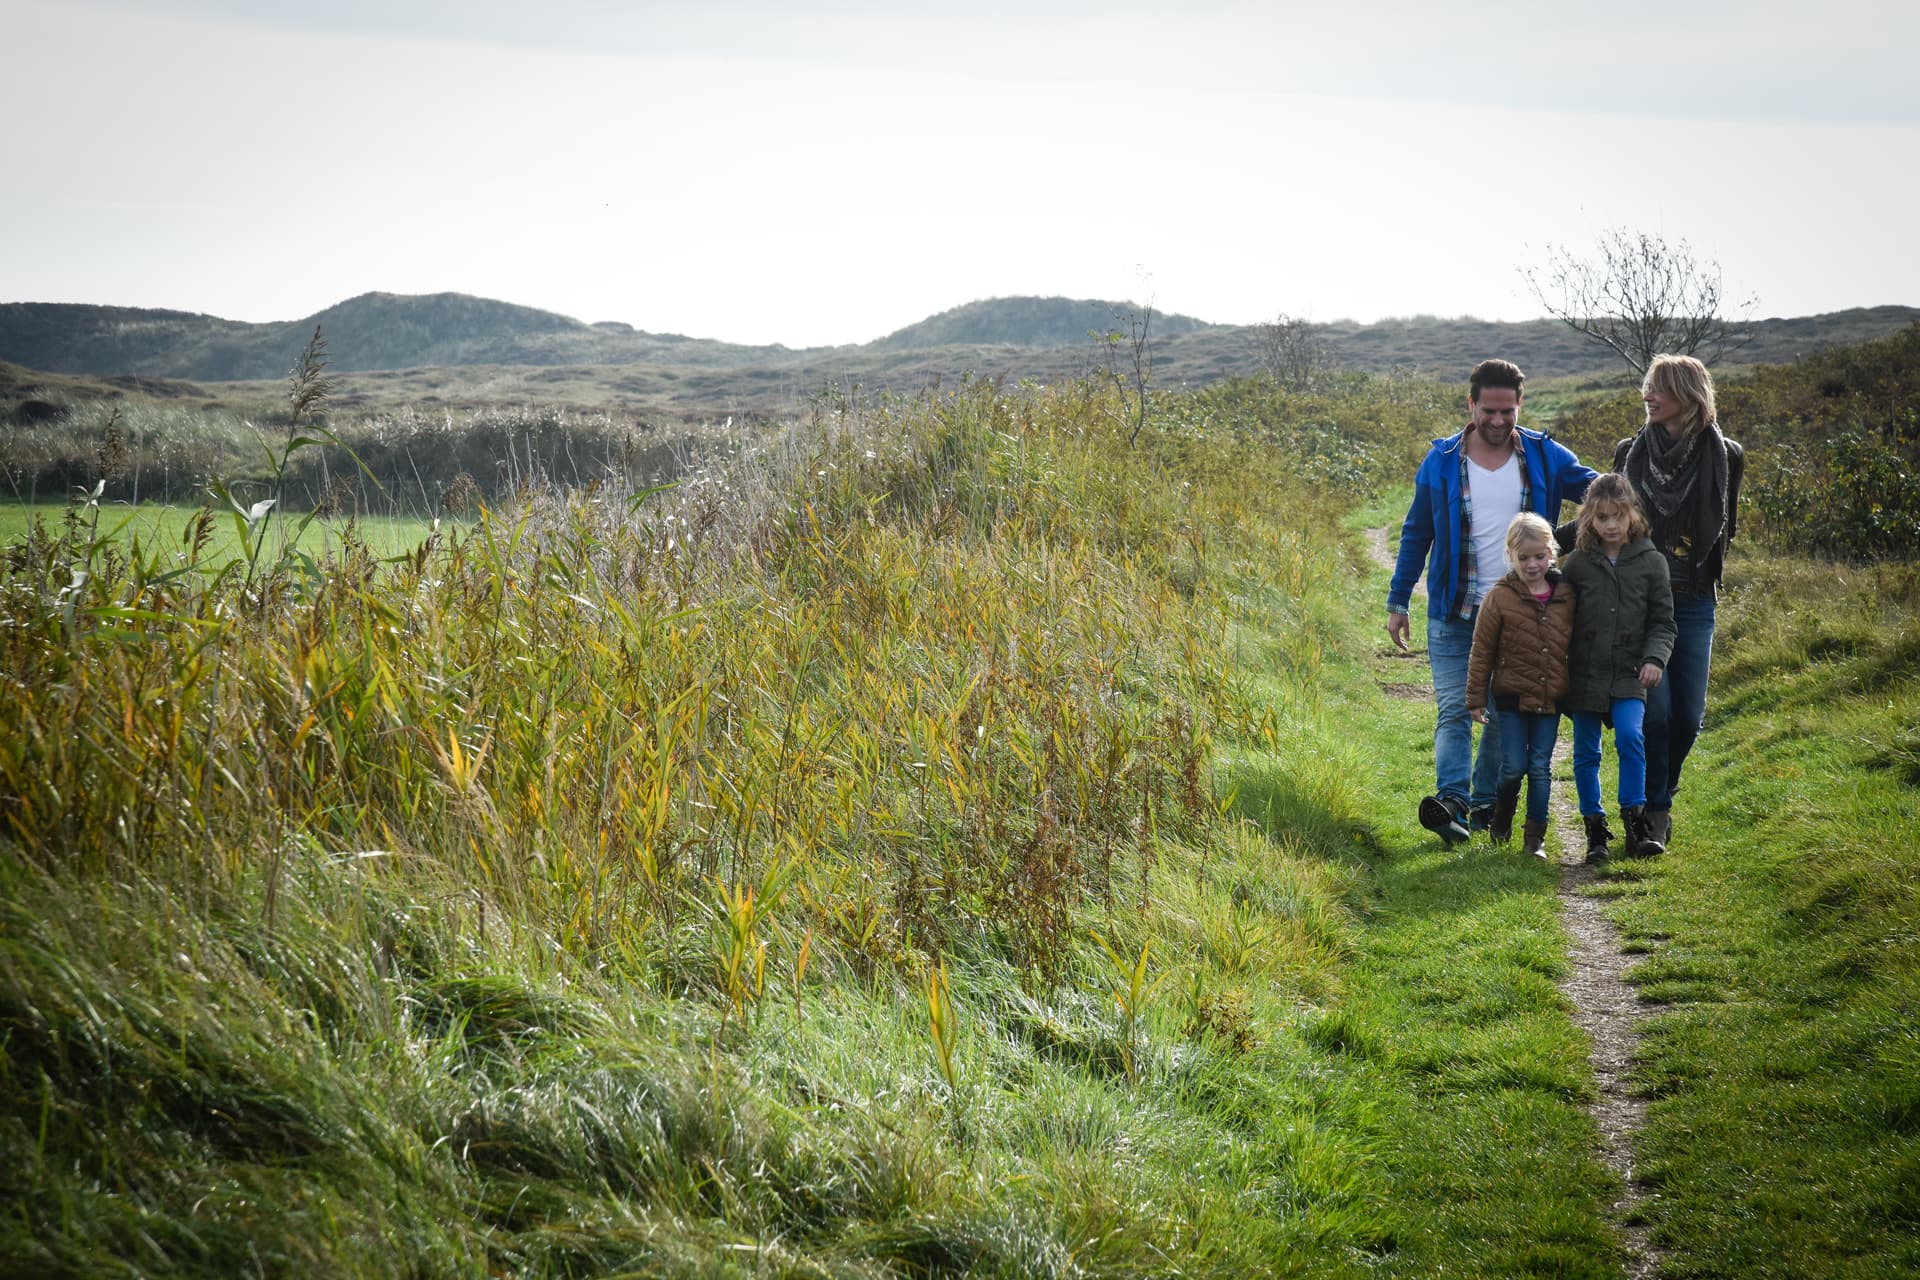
1704	577
1622	619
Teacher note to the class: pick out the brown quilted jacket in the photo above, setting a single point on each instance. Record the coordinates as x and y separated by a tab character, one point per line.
1520	647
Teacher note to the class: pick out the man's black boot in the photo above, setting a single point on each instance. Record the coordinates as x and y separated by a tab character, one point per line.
1445	818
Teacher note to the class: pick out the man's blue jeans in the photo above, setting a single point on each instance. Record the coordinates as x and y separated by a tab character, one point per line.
1526	751
1629	744
1449	642
1677	706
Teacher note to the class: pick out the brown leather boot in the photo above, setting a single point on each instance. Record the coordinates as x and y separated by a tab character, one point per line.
1500	826
1597	836
1640	842
1533	839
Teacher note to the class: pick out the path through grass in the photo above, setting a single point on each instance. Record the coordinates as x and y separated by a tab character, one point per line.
1781	941
1763	1122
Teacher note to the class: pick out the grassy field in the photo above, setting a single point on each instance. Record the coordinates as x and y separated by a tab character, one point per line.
1782	940
942	842
167	530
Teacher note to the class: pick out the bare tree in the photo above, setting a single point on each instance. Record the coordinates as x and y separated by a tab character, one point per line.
1291	351
1640	296
1128	364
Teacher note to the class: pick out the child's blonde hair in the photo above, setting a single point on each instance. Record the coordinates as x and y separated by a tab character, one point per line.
1528	527
1610	490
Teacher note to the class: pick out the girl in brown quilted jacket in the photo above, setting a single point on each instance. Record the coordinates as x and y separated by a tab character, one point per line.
1519	662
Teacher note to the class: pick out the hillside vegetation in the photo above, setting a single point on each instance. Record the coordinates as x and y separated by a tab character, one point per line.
560	900
396	351
372	331
933	838
1845	416
1029	322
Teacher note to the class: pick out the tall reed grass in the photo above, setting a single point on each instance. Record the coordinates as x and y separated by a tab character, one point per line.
364	900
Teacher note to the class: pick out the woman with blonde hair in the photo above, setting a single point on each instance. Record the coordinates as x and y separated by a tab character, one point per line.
1686	475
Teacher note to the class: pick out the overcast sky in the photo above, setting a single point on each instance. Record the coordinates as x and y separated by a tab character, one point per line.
818	173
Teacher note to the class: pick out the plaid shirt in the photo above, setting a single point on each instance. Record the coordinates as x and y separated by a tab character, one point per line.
1469	560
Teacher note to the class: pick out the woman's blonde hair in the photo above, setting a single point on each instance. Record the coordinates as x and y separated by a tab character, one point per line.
1528	527
1609	490
1684	379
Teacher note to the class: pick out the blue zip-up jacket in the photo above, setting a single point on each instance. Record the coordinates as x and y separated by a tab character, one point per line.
1431	531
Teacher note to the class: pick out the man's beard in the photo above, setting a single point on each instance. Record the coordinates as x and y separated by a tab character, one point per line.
1506	433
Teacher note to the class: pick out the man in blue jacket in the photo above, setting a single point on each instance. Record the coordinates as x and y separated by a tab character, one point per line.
1468	489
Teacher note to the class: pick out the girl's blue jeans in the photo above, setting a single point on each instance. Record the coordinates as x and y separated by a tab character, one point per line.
1526	751
1629	744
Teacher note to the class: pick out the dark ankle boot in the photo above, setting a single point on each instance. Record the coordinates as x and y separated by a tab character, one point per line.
1533	839
1660	826
1500	825
1597	835
1640	842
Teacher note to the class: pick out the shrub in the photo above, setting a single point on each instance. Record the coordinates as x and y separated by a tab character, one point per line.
1868	485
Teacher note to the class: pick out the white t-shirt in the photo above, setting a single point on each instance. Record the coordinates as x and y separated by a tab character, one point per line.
1496	501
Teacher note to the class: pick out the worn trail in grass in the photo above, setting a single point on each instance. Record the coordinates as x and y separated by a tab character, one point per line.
1749	996
1590	974
1781	941
1608	1009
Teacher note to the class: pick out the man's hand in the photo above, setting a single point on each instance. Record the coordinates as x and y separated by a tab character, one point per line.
1397	630
1650	673
1479	715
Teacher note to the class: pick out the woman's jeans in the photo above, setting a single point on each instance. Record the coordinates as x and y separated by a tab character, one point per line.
1629	744
1449	642
1677	706
1526	751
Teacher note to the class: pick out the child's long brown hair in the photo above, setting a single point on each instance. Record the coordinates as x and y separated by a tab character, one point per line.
1609	490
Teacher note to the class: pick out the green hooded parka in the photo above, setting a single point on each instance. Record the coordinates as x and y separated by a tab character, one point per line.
1624	618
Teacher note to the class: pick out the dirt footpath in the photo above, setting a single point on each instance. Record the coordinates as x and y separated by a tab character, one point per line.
1604	1005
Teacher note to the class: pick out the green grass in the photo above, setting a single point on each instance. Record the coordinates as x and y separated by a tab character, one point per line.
1783	941
166	529
1780	939
563	900
1478	1078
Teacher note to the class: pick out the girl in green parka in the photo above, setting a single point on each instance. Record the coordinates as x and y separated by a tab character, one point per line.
1622	637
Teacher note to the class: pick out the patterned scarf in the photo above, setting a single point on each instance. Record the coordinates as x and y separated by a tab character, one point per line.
1684	486
1469	559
